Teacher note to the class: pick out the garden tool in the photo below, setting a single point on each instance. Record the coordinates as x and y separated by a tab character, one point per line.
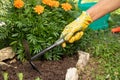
27	51
115	30
58	42
71	33
30	59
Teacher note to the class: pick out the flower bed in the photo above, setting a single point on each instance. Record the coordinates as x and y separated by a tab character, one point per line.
40	22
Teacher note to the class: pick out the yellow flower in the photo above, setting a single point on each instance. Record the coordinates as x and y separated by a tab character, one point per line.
18	3
39	9
66	6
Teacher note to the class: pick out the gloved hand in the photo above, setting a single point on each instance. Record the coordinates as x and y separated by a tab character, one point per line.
75	29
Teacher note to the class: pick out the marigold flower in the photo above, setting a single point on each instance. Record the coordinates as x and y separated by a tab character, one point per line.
55	3
66	6
18	3
46	1
39	9
51	3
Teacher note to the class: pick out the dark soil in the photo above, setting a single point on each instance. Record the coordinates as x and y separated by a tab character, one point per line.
50	70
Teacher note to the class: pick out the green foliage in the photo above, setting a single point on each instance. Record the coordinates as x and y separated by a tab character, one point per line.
104	46
40	30
103	42
3	8
114	20
3	32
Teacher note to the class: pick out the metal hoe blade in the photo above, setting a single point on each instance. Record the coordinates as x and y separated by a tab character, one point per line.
27	51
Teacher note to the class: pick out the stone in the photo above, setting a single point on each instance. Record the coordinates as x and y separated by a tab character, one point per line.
6	53
71	74
4	66
13	61
82	60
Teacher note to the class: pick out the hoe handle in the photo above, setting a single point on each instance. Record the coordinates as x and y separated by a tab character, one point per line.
58	42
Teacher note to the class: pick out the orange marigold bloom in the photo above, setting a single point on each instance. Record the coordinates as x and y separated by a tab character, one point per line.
18	3
55	3
39	9
46	1
66	6
51	3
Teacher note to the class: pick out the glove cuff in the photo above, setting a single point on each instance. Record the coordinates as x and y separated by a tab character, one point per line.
85	20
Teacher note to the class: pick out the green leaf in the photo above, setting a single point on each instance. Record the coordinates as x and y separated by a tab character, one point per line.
14	42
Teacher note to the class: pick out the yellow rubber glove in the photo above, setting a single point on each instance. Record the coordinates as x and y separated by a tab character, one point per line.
74	31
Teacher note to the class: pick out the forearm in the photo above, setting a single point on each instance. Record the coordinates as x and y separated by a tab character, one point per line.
103	7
